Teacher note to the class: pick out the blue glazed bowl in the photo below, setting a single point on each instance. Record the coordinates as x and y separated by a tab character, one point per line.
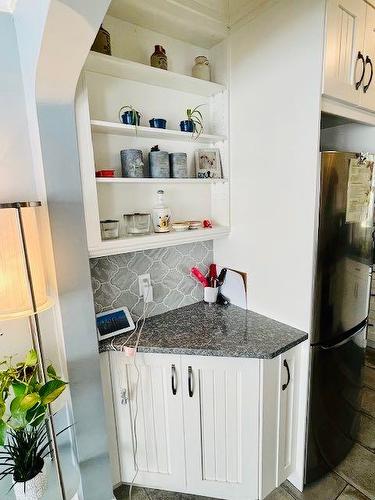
187	126
158	123
128	118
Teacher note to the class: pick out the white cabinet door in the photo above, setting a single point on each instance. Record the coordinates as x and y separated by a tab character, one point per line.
368	87
288	413
150	393
221	414
345	27
110	418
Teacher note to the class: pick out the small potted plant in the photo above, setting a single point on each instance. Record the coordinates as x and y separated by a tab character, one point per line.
194	122
24	440
129	116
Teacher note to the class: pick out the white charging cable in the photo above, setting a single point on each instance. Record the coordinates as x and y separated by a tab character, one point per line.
141	319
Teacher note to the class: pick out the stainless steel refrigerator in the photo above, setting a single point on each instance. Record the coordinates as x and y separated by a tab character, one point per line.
341	300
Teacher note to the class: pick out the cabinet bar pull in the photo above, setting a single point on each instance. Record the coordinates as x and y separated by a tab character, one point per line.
366	87
174	380
190	382
284	386
360	57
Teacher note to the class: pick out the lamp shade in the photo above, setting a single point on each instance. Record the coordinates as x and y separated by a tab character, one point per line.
15	289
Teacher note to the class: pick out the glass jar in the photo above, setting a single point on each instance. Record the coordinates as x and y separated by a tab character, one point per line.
137	224
109	229
201	68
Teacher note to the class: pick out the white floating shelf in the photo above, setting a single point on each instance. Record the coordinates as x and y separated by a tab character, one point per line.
103	127
136	243
129	70
148	180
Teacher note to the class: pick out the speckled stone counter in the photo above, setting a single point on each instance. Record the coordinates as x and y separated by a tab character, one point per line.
211	330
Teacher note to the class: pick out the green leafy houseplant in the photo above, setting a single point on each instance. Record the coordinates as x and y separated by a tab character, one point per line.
129	116
24	401
195	116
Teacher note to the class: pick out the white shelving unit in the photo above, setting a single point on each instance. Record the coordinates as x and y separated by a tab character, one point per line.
130	70
135	243
101	127
108	83
149	180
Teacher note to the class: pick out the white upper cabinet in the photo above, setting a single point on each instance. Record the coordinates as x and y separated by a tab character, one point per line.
350	52
344	58
368	88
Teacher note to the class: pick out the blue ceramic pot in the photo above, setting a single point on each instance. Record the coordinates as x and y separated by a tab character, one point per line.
158	123
130	118
187	126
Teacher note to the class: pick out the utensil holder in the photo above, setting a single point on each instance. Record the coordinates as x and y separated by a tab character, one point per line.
210	294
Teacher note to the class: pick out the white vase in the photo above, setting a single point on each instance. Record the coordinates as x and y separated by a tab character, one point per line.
33	489
201	68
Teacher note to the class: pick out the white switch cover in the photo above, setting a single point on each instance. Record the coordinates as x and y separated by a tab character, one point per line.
145	288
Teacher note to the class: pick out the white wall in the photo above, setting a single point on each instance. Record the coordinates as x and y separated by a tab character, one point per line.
17	182
275	65
275	87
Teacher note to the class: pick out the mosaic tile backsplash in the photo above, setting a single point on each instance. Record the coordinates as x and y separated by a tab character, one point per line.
115	278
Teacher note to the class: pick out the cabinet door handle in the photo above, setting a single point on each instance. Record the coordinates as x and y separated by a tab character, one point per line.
366	87
174	380
360	57
190	382
284	386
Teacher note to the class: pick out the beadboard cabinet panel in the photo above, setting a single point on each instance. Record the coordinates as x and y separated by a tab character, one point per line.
368	97
345	30
221	407
157	438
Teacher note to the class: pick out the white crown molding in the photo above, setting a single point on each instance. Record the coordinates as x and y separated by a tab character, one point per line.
7	5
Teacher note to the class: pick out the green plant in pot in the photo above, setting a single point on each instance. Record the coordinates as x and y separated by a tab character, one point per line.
24	409
194	122
129	116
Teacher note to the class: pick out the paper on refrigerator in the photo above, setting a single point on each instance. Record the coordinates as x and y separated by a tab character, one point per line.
360	183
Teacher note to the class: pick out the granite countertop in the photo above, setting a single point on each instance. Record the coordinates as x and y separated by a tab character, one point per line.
211	330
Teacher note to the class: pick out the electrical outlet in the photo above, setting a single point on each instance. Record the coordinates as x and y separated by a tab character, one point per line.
145	288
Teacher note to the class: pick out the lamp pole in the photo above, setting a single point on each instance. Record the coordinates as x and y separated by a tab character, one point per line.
37	339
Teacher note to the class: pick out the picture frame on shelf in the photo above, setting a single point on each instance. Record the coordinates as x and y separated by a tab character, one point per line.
208	164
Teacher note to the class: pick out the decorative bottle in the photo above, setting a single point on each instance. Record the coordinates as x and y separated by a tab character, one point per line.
161	215
159	58
102	42
201	68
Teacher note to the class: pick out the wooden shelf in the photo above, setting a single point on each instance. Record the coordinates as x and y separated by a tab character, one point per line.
103	127
147	180
136	243
129	70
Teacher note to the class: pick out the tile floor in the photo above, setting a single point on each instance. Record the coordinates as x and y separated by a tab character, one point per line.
354	478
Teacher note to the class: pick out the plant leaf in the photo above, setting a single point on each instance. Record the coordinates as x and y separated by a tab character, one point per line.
51	372
51	390
2	408
19	388
35	416
29	401
31	358
3	432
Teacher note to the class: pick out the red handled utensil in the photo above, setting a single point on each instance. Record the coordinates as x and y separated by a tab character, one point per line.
200	277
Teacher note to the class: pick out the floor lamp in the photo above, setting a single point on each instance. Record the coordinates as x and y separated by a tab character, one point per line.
23	290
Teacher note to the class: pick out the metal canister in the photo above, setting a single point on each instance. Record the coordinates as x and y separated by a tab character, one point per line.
132	163
159	164
178	165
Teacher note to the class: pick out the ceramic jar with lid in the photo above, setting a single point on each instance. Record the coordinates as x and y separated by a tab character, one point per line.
159	58
159	163
201	68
